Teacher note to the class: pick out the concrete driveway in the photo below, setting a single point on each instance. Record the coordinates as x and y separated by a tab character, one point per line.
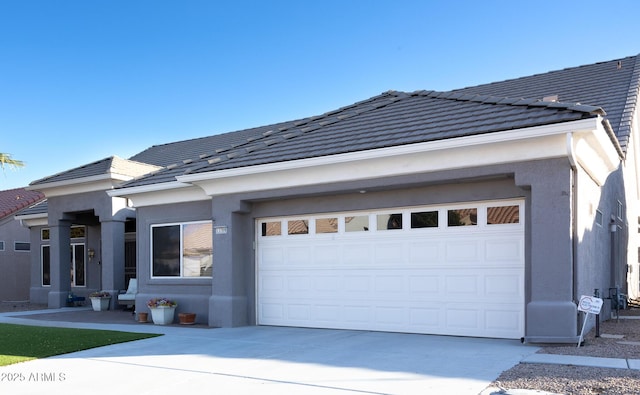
268	360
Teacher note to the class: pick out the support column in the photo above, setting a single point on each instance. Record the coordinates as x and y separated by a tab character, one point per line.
232	260
112	258
60	263
551	314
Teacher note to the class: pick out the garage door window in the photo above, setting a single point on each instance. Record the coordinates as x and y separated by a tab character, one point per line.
298	227
389	221
503	215
358	223
462	217
424	219
272	228
327	225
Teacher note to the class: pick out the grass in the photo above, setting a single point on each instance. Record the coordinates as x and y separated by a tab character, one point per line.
19	343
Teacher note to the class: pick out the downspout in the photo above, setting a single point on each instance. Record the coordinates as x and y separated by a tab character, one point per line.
571	155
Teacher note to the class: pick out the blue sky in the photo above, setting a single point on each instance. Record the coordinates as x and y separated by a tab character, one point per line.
81	80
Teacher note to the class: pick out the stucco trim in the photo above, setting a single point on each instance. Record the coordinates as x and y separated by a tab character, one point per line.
167	193
80	185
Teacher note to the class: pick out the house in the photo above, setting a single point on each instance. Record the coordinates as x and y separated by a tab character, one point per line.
15	244
483	211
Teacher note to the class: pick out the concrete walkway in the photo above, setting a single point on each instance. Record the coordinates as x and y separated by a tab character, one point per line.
266	360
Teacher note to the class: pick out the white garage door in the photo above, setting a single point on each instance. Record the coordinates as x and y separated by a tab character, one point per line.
454	270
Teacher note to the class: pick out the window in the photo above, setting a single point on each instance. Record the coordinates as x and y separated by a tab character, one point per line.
503	215
620	210
182	250
389	221
298	227
46	265
1	245
358	223
599	218
78	266
424	219
76	232
21	246
462	217
273	228
327	225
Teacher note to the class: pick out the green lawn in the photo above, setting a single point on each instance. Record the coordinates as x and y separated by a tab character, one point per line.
20	343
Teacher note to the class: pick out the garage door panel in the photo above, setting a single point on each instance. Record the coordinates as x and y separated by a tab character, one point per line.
424	285
389	253
466	281
459	251
299	255
354	254
504	285
272	256
424	252
504	249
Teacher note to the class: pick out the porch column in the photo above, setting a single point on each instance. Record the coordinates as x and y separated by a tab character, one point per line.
60	263
112	258
232	253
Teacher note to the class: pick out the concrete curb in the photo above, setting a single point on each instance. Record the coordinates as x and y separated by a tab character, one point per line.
576	360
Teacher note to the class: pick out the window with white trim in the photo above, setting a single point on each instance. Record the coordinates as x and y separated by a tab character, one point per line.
182	250
45	265
22	246
78	265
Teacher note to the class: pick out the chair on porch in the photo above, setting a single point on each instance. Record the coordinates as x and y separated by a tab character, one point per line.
128	299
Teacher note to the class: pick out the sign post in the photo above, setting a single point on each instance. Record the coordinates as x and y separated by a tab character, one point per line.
589	305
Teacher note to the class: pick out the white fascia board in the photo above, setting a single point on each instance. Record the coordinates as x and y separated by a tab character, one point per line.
595	153
33	219
80	185
158	194
534	143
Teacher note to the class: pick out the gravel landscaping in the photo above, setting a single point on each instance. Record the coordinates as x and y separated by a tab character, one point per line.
618	339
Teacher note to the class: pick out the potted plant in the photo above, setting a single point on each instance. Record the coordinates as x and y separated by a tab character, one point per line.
162	310
100	300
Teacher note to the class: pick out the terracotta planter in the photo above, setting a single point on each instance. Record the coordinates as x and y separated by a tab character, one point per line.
100	304
162	315
187	318
143	318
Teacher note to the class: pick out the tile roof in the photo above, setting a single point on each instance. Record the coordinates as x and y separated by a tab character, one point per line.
612	85
14	200
110	165
174	153
394	118
390	119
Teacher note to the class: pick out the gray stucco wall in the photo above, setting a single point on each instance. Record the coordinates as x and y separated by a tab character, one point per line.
103	218
192	294
546	186
14	265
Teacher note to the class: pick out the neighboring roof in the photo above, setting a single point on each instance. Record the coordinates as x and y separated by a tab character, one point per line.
113	165
14	200
38	208
612	85
390	119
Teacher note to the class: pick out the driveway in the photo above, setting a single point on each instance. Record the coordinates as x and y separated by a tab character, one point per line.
268	360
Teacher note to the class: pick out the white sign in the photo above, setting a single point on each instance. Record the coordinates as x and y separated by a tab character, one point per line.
590	304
